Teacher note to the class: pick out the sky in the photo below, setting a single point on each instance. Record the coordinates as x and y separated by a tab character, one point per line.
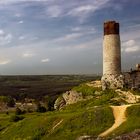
64	36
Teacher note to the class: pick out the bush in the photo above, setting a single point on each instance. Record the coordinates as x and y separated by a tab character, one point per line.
18	111
16	118
8	100
40	108
48	102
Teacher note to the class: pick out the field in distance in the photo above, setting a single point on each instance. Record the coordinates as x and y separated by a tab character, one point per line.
38	86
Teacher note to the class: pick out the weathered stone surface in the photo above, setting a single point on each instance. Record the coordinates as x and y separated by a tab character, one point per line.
129	136
128	96
96	83
111	27
59	103
132	79
111	54
112	81
70	97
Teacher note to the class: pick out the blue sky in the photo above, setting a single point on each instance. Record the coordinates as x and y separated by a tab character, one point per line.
64	36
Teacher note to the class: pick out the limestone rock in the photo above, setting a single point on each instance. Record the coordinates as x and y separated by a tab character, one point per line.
59	103
128	96
70	97
112	81
96	83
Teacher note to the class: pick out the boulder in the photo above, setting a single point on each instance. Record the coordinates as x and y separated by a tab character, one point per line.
70	97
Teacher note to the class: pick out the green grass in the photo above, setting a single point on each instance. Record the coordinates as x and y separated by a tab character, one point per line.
86	90
38	126
132	123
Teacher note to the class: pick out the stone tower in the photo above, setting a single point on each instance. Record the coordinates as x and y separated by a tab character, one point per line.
111	48
112	77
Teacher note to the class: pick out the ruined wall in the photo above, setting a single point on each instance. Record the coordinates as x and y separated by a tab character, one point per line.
132	79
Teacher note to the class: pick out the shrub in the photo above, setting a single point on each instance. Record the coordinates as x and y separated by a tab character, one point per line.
40	108
16	118
18	111
8	100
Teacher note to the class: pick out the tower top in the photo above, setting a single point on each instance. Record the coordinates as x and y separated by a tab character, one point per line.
111	27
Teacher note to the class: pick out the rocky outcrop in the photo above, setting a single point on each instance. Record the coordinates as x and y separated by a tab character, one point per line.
70	97
96	83
129	136
128	96
59	103
112	81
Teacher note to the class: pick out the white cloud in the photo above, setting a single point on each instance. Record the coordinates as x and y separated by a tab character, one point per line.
129	43
4	62
21	38
53	11
84	10
20	22
16	1
18	15
5	38
1	32
27	55
75	29
130	46
132	49
84	30
68	37
45	60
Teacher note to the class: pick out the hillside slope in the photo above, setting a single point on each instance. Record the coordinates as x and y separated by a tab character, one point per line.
88	117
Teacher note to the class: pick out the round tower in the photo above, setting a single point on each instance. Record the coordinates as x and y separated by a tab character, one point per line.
111	49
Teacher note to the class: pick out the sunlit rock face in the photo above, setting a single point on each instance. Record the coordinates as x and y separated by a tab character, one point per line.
112	81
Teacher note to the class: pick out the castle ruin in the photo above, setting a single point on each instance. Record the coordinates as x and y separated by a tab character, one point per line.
113	78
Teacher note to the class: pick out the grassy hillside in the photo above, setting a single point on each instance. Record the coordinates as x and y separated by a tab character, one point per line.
87	117
36	126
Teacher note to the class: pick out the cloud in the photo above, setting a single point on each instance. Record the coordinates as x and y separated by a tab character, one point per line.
20	22
82	9
85	9
129	43
68	37
17	1
27	55
53	11
45	60
132	49
4	62
5	38
83	29
130	46
1	32
21	38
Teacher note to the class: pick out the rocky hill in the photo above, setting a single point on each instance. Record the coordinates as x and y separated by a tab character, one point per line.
83	113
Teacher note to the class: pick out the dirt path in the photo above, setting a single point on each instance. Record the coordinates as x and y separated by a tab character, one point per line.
119	115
